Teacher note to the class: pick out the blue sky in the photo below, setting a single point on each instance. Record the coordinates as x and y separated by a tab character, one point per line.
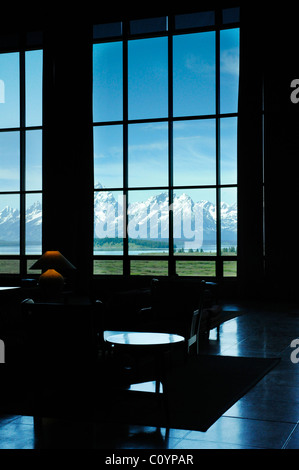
193	94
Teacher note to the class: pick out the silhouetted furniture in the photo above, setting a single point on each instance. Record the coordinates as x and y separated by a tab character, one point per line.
11	328
176	307
211	312
145	344
122	309
61	351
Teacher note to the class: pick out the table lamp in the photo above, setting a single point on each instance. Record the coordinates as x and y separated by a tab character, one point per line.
52	263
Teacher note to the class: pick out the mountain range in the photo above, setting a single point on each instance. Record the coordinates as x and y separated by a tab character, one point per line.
147	219
10	224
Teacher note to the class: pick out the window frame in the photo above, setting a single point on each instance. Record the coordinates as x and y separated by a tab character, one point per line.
21	44
170	32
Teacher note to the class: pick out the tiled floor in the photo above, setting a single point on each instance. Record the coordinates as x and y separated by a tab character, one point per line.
267	417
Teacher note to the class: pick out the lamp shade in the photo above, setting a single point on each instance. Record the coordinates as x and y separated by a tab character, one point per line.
51	280
53	260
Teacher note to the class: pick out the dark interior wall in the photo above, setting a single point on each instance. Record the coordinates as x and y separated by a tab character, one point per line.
269	55
281	153
68	146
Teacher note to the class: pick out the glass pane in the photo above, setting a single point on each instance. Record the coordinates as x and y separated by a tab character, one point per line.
108	156
10	224
33	160
229	218
33	223
108	267
196	268
229	70
9	266
228	150
148	25
195	20
148	222
34	88
29	263
149	268
148	78
107	82
108	223
9	90
229	268
194	152
194	74
194	221
9	161
107	30
148	154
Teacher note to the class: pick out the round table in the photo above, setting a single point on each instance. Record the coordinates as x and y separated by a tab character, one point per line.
146	342
139	339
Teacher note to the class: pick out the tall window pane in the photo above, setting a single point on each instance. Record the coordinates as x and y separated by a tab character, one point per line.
194	74
228	150
34	160
10	224
34	88
10	161
229	215
107	79
148	154
33	228
9	90
194	221
108	156
194	152
147	78
148	227
229	70
108	223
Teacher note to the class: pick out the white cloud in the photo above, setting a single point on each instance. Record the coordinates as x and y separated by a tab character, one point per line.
229	61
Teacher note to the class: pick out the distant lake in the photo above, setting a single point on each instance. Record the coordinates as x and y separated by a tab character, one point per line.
15	249
161	251
37	250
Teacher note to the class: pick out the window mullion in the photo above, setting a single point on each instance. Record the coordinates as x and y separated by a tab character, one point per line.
171	264
22	163
219	266
126	265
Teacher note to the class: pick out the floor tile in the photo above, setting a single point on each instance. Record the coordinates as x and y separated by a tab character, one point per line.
246	432
293	441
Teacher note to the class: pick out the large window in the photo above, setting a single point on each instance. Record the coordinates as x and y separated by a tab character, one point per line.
20	155
165	117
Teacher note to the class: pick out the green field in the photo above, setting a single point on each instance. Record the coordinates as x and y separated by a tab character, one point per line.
142	267
184	267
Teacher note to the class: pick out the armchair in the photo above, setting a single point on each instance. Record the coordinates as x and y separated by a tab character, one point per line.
176	308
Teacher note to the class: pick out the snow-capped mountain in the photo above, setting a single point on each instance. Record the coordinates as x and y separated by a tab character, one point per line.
149	218
10	224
